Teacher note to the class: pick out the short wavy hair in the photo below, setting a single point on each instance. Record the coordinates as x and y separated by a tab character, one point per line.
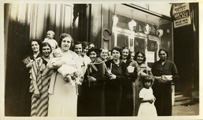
30	46
137	53
164	51
45	44
117	48
84	44
129	53
64	35
147	78
96	50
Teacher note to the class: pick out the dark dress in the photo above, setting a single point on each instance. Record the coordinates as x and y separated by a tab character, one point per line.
91	100
126	108
162	91
113	89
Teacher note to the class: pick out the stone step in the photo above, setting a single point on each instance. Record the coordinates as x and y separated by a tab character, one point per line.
182	100
178	93
179	96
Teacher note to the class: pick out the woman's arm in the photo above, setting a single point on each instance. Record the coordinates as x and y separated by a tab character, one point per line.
29	65
28	62
53	63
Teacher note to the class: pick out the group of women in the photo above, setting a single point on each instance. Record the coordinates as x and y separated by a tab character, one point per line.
108	87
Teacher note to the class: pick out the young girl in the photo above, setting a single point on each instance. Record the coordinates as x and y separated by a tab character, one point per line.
50	39
147	98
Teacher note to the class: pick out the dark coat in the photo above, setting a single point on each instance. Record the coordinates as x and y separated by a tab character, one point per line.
162	91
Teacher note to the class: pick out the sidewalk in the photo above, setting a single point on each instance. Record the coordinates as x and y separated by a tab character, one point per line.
182	110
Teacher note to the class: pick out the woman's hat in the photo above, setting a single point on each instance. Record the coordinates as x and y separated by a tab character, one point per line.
93	49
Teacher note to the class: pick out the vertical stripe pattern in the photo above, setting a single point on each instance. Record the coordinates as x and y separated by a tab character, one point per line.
40	73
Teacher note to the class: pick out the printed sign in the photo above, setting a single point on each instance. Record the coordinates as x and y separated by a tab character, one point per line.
181	14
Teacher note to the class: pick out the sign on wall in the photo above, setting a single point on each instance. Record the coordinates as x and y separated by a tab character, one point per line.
181	14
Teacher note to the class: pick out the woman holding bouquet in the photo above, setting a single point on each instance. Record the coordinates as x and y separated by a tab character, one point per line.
63	95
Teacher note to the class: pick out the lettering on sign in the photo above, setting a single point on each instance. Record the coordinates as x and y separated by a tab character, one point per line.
181	14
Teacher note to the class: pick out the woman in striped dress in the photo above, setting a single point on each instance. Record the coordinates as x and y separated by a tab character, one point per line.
40	78
34	53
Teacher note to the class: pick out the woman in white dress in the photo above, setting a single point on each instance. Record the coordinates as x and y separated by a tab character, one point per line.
63	95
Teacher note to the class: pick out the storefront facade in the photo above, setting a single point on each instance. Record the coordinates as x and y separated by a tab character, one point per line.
141	27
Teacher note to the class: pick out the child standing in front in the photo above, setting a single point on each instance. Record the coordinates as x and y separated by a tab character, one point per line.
147	98
50	39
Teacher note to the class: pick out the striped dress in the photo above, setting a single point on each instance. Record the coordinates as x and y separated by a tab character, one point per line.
40	78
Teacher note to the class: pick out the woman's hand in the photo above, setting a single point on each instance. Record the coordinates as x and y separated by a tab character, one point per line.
167	77
68	78
160	80
36	93
112	77
151	101
29	65
28	62
154	99
91	79
143	74
52	65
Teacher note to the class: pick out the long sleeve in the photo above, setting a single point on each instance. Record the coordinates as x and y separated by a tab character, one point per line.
174	73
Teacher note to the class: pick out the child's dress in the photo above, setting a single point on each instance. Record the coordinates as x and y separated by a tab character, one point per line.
147	108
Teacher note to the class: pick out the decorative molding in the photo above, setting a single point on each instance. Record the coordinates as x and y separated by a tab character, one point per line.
106	34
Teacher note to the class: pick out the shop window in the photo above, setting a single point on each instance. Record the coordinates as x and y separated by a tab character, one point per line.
142	31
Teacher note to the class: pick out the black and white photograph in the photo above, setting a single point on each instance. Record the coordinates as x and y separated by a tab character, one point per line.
95	59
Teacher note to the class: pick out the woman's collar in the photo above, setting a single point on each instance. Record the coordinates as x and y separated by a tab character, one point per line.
117	62
46	58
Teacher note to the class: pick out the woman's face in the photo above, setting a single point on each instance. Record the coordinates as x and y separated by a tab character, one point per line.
116	54
163	55
85	50
140	58
125	53
104	54
78	49
46	50
132	56
93	56
66	43
35	46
